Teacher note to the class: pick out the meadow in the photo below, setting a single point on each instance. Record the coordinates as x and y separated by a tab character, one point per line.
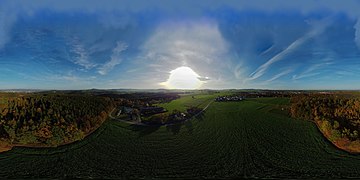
251	138
200	100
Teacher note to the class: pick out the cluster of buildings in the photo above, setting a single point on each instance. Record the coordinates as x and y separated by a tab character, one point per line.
229	98
134	114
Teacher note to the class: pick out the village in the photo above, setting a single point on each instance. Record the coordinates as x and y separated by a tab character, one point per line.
229	98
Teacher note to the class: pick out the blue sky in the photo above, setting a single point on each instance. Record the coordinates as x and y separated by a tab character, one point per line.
135	44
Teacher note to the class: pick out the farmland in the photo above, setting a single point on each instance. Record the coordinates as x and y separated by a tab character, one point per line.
190	100
251	138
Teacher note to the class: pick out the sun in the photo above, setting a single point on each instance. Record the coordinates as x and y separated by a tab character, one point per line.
183	78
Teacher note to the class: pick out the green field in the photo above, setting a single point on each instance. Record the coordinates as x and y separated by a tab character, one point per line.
232	139
190	100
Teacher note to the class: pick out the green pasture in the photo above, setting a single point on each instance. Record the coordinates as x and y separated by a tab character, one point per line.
190	100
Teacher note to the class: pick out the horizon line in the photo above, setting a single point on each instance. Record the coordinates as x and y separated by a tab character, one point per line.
144	89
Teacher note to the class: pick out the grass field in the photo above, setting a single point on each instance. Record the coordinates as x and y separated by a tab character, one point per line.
232	139
190	100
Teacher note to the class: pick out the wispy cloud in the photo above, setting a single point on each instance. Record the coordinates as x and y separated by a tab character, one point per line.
318	28
357	33
238	71
313	70
281	74
115	58
6	21
81	55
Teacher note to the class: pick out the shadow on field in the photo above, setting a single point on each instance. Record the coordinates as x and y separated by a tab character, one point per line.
200	116
144	130
174	128
189	126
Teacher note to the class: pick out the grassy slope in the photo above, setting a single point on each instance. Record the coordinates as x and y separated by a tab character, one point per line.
231	139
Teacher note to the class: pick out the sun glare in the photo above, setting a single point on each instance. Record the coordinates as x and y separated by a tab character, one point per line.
183	78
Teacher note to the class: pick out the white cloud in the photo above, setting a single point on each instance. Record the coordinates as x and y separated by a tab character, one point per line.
281	74
357	33
186	42
196	44
12	8
313	70
238	71
115	58
82	56
317	28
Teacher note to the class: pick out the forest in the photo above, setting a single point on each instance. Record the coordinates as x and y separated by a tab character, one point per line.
337	116
51	119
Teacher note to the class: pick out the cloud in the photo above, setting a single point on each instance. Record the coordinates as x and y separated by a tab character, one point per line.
238	71
6	21
357	33
189	6
197	44
81	55
115	58
204	78
312	70
317	28
182	33
11	9
281	74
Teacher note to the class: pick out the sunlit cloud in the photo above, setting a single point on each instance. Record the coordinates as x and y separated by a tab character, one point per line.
196	44
183	78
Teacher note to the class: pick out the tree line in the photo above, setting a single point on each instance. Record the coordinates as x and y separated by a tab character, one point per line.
51	119
337	115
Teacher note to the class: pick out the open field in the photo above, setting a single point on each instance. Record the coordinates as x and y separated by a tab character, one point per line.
232	139
190	100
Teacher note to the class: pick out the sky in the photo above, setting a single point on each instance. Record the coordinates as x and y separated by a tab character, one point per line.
309	44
